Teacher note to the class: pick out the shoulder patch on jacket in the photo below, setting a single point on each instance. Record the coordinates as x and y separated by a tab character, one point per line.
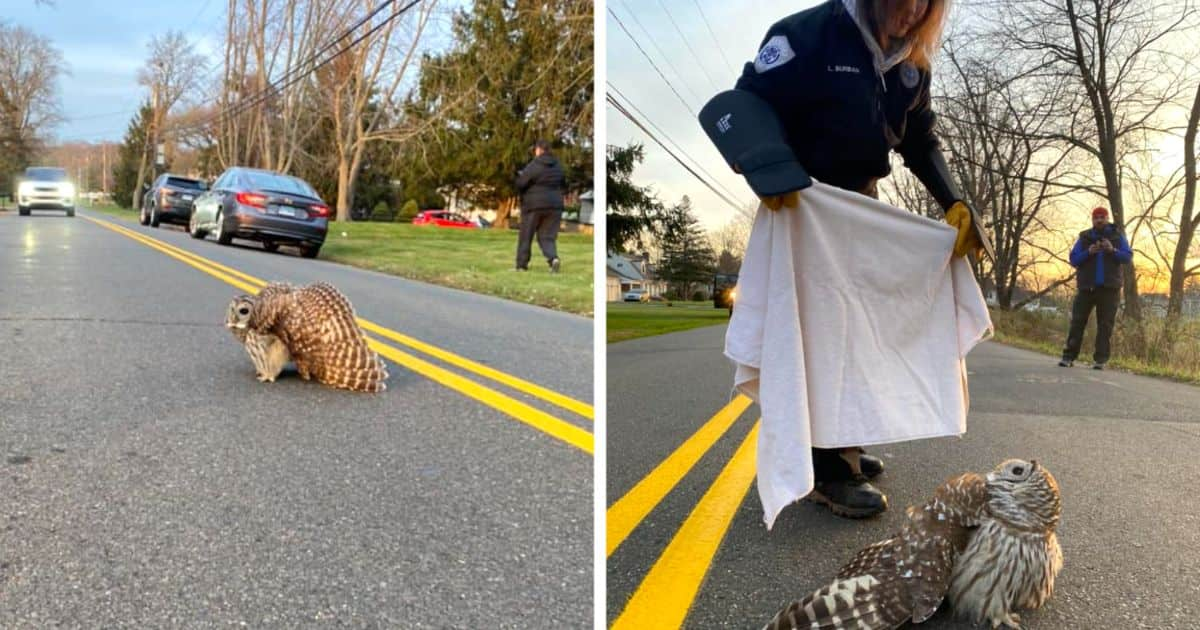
776	52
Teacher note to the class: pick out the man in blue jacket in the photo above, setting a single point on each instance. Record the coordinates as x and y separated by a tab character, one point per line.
1098	257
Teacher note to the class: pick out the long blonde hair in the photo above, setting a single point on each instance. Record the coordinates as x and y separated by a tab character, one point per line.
925	37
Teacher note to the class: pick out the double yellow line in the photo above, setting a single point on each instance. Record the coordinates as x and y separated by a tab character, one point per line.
666	594
512	407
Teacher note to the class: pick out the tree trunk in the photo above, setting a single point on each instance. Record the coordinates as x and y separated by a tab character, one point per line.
344	195
1187	224
503	211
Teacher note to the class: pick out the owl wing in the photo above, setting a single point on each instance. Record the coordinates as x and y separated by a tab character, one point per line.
864	596
331	342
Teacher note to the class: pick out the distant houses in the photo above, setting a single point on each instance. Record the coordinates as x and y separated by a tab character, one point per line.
627	273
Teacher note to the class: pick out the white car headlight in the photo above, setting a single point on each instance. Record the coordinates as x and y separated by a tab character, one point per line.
25	188
68	189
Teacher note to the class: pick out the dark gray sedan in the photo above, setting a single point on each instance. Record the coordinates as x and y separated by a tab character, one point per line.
169	200
265	206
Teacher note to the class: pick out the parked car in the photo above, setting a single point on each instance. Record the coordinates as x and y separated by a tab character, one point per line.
169	200
443	218
636	295
265	206
45	188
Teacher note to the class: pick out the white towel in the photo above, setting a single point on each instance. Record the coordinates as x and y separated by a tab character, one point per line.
851	328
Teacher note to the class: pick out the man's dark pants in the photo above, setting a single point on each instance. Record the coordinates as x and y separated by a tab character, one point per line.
1105	300
545	224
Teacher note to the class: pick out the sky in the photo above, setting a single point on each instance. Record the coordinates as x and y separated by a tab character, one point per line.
706	63
103	44
102	48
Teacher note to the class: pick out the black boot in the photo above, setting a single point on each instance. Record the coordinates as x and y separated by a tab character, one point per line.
853	498
841	482
871	466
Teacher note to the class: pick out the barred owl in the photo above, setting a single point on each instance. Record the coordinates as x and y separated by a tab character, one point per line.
1014	556
267	352
961	544
316	325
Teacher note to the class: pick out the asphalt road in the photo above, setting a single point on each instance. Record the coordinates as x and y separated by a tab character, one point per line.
147	480
1123	447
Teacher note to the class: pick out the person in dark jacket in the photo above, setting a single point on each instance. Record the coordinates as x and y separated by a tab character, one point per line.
848	81
1098	258
541	184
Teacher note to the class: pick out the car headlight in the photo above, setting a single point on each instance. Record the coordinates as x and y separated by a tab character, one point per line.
68	189
25	188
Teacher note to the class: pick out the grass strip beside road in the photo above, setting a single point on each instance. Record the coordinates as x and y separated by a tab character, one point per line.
480	261
644	319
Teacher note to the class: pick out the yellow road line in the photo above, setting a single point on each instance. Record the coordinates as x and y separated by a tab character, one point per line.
627	513
663	598
534	417
525	413
517	383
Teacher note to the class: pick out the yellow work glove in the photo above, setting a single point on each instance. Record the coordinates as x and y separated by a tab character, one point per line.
959	217
789	199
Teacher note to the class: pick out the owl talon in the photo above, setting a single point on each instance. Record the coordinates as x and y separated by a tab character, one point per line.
1012	620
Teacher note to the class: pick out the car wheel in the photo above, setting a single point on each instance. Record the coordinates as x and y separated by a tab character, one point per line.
154	216
142	217
23	211
310	251
194	228
270	246
223	235
70	212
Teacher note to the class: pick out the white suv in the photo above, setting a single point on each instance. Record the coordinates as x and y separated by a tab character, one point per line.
45	187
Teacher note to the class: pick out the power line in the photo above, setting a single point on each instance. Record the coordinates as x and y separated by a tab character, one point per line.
667	58
621	108
703	67
733	71
652	64
279	84
664	134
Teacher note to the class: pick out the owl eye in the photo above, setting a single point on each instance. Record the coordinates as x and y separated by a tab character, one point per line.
1018	471
245	310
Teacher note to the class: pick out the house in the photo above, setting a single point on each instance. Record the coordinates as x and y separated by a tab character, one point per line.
630	273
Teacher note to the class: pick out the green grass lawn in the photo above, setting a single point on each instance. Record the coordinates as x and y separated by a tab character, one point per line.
632	320
480	261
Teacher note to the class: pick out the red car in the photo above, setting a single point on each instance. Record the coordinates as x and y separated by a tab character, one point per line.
443	218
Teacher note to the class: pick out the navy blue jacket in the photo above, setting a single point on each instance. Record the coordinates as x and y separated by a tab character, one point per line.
1100	269
841	117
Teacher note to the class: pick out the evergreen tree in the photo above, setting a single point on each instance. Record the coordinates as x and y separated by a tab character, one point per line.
516	72
129	156
687	258
633	212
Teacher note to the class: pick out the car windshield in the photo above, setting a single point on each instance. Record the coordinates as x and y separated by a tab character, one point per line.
46	174
273	182
179	182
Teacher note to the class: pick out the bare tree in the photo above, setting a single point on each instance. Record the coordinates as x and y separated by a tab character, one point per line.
363	87
29	70
1189	219
173	70
1117	54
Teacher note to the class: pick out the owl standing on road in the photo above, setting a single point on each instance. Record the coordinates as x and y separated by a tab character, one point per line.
316	325
1014	556
947	541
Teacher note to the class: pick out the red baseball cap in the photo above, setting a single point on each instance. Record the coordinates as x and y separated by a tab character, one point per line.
1099	212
